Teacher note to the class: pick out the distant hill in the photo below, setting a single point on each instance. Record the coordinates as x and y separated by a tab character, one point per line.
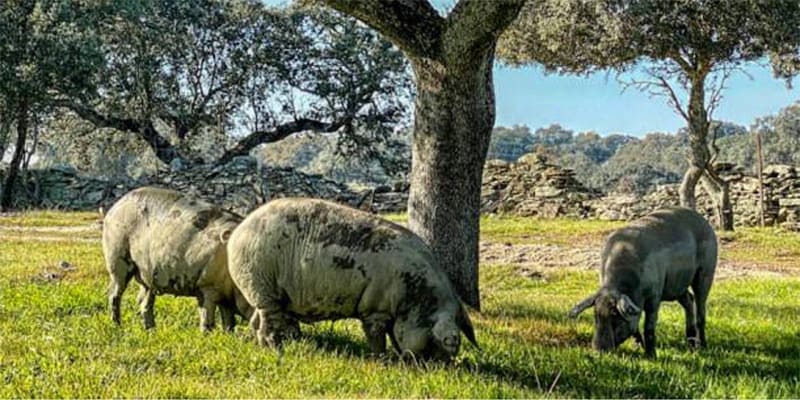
609	163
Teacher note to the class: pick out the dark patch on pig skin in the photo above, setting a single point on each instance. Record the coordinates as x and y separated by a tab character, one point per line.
292	219
419	295
344	262
364	236
361	237
203	218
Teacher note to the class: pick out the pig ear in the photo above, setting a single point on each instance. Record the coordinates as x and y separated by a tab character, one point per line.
627	307
583	305
225	235
463	322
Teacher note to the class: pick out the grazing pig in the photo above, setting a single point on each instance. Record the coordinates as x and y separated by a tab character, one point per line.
654	259
171	244
311	260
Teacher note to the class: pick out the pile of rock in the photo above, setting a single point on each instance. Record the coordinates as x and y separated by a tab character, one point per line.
529	187
243	184
533	187
386	198
62	187
782	195
781	198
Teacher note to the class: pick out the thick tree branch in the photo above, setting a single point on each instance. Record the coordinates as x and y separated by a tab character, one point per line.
412	25
475	23
280	132
162	147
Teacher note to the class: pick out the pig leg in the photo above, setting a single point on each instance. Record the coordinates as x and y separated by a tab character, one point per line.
147	301
701	286
650	319
376	326
272	326
228	318
121	273
687	302
207	301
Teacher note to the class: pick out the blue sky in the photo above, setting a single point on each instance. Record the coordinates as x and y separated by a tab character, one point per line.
529	97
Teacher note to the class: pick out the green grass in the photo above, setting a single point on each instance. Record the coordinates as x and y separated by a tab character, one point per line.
57	340
48	218
512	229
770	246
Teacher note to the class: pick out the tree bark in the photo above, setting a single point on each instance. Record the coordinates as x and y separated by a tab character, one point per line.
719	191
698	155
161	146
454	117
5	128
7	198
454	114
688	185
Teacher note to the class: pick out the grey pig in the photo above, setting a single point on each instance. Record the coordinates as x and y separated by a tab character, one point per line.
171	244
310	260
656	258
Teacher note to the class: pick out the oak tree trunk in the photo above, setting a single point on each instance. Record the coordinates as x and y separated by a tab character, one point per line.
5	128
688	185
452	59
454	116
719	191
698	154
699	157
7	198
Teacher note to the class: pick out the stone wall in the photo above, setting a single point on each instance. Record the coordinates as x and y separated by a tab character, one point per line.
61	187
533	187
240	186
781	199
529	187
243	184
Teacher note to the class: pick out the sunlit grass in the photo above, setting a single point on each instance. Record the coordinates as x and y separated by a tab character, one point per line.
774	246
48	218
57	340
513	229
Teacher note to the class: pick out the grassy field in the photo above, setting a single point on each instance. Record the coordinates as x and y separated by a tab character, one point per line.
57	340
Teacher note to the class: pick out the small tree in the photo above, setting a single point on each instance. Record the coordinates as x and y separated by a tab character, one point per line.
44	48
683	50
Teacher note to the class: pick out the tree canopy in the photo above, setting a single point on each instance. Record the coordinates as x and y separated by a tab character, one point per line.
243	73
683	50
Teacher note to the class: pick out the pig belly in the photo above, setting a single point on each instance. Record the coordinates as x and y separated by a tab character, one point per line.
320	291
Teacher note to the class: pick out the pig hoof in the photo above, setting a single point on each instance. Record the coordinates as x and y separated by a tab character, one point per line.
270	340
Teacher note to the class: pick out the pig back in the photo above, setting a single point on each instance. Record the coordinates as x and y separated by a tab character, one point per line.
323	260
175	242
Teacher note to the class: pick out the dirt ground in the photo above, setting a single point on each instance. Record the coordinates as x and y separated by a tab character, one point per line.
529	259
532	259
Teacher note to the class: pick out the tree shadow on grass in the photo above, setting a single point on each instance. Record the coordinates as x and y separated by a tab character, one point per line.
731	355
334	341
